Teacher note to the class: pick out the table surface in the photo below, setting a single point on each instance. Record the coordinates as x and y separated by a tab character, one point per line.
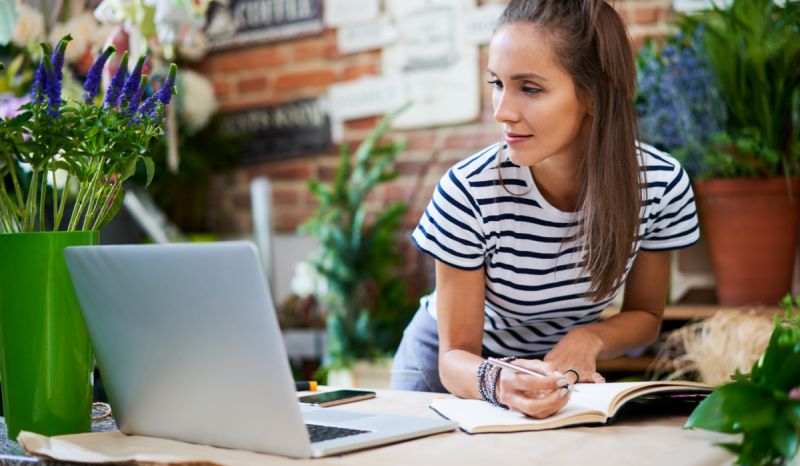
633	439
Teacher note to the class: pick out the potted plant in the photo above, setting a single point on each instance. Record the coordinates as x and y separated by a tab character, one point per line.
367	306
46	361
763	405
744	164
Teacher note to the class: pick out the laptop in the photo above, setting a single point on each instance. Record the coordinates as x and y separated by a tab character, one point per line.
189	346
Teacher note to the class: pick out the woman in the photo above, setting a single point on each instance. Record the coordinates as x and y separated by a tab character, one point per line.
534	237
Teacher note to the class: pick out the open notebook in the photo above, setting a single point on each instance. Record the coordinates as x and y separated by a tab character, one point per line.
591	404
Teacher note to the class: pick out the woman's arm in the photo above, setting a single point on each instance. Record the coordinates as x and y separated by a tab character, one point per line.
637	325
460	298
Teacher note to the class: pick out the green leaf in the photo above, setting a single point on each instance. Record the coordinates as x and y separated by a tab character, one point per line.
789	374
735	448
784	437
748	405
19	120
151	170
115	206
709	415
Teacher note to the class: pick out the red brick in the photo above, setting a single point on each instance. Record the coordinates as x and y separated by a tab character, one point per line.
285	197
332	51
313	78
326	174
300	171
397	192
457	141
222	88
251	59
648	14
309	50
290	221
357	71
410	168
361	123
421	140
242	201
472	141
252	84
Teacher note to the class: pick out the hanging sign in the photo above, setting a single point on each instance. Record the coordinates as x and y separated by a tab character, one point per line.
281	131
479	24
340	13
438	67
370	36
368	96
244	22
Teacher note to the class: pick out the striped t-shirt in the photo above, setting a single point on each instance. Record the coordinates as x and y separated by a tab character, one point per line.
532	297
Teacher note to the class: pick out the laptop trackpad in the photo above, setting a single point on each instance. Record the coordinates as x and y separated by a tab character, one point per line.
334	416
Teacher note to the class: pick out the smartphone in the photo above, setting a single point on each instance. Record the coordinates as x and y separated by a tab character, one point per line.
336	397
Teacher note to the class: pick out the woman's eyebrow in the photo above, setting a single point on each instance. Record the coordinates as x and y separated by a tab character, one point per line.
522	76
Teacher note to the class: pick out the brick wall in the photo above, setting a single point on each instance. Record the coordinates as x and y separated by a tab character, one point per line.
291	70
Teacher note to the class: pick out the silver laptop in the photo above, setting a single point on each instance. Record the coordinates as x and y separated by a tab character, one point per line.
189	347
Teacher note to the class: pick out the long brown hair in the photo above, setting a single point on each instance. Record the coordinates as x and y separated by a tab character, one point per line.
591	43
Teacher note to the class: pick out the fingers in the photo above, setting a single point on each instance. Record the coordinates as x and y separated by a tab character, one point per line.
530	383
539	408
597	378
542	367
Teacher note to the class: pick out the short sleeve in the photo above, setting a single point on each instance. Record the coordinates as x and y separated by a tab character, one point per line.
450	230
674	225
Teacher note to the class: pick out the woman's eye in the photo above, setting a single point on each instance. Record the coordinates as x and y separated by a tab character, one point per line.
530	90
497	84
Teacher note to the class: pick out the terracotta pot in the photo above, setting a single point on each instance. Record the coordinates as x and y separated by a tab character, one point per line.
751	226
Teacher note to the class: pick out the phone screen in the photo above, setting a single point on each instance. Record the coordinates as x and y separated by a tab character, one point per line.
336	395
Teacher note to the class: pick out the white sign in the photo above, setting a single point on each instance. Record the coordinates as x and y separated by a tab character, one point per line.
479	24
368	96
439	68
346	12
374	35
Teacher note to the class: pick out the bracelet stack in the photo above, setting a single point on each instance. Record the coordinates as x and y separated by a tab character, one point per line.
487	372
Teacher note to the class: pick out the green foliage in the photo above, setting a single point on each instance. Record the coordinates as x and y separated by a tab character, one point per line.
368	306
764	405
754	49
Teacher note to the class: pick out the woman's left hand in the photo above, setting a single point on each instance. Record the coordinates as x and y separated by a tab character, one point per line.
578	351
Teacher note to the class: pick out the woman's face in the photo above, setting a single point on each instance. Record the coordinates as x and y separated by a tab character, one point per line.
533	98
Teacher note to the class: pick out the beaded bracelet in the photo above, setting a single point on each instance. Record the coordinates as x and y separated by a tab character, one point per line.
482	380
495	379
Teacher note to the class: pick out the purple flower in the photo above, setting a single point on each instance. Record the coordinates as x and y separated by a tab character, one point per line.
39	83
132	84
795	393
165	93
52	89
115	87
137	98
95	75
9	105
58	56
149	109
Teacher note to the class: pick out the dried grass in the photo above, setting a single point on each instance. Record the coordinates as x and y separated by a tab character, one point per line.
711	350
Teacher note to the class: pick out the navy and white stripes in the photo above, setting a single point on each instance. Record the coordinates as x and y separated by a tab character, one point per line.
534	291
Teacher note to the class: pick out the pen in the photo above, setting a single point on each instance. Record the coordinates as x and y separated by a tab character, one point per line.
305	386
524	370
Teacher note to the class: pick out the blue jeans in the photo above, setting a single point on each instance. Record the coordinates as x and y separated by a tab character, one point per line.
416	364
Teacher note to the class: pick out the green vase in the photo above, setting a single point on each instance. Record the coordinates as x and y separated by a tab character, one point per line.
46	360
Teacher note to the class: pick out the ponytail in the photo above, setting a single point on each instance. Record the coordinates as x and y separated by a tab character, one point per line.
591	43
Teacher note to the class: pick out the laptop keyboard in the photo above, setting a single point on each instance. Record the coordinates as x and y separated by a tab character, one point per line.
322	433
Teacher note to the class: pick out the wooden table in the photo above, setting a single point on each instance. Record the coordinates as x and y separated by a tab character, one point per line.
630	441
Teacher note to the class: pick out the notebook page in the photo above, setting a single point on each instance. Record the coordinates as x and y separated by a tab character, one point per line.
598	396
471	414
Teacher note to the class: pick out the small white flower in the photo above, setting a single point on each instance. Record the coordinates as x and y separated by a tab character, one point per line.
305	281
196	99
29	28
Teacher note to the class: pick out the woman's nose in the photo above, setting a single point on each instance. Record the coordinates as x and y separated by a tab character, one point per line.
505	110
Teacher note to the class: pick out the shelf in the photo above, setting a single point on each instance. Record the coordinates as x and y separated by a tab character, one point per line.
626	364
694	311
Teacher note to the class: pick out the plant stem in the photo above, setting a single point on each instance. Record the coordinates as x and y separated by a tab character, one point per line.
44	194
86	219
104	206
76	213
55	197
30	206
63	201
12	168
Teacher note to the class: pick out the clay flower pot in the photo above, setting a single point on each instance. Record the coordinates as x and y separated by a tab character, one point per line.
751	226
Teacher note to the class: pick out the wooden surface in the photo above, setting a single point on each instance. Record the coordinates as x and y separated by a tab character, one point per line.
632	440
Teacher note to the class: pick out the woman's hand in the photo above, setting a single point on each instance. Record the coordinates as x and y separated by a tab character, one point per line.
538	397
578	350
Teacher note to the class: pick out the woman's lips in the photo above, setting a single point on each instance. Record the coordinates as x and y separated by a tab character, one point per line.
513	138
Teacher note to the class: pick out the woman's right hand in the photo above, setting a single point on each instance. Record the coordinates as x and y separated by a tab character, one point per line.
522	392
